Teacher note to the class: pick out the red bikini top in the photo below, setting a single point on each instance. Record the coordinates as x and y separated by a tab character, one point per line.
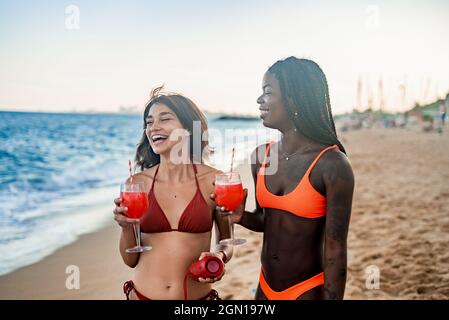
196	217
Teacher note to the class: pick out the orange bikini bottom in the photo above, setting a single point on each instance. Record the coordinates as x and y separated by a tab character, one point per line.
293	292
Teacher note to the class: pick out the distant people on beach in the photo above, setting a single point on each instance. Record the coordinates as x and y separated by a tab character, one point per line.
444	105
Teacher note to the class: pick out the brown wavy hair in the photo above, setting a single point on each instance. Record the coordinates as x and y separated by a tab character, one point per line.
187	112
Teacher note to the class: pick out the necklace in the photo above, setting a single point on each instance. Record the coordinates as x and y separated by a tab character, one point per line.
288	156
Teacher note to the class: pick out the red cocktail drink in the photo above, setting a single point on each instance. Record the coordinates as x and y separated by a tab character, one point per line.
134	197
229	195
136	202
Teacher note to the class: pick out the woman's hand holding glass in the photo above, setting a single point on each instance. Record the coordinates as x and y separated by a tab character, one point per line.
120	215
132	204
230	198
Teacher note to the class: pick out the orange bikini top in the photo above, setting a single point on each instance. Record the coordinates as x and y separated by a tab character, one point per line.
304	201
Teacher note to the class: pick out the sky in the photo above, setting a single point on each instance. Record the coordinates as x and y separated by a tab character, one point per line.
100	55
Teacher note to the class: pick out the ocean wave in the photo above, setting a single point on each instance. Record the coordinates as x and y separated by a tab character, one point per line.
60	172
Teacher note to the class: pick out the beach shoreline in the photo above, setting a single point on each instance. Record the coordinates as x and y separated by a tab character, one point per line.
399	224
46	278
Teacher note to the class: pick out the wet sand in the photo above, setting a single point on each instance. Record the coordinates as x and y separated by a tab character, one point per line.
399	225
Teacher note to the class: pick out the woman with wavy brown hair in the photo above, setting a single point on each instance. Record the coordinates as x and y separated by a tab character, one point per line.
179	220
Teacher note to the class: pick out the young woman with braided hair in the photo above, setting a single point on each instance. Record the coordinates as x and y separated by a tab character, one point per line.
303	207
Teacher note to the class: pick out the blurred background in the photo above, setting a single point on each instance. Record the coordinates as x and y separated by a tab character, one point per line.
75	77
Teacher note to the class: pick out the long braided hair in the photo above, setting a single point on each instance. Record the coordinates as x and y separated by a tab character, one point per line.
305	95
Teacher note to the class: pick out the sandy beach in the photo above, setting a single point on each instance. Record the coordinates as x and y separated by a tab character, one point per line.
399	224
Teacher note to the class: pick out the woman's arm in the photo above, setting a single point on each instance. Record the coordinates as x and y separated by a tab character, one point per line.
222	231
127	238
339	181
255	220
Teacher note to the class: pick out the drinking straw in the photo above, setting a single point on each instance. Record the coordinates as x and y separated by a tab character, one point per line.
232	160
130	171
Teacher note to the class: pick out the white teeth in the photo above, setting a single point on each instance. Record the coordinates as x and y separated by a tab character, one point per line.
263	112
157	137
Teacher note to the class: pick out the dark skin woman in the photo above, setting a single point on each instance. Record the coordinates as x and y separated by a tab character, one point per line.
296	247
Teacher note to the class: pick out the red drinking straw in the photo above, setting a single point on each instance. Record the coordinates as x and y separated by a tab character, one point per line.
130	171
232	160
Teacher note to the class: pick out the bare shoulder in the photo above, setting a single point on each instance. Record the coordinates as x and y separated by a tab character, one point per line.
206	177
144	176
335	165
335	156
257	157
206	172
258	154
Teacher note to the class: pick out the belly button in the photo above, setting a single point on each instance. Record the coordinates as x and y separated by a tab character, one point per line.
275	257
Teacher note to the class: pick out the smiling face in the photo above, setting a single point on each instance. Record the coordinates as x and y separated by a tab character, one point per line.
162	128
272	110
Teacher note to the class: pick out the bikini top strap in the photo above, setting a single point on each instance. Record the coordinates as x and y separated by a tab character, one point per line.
268	145
157	170
196	179
154	178
319	156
